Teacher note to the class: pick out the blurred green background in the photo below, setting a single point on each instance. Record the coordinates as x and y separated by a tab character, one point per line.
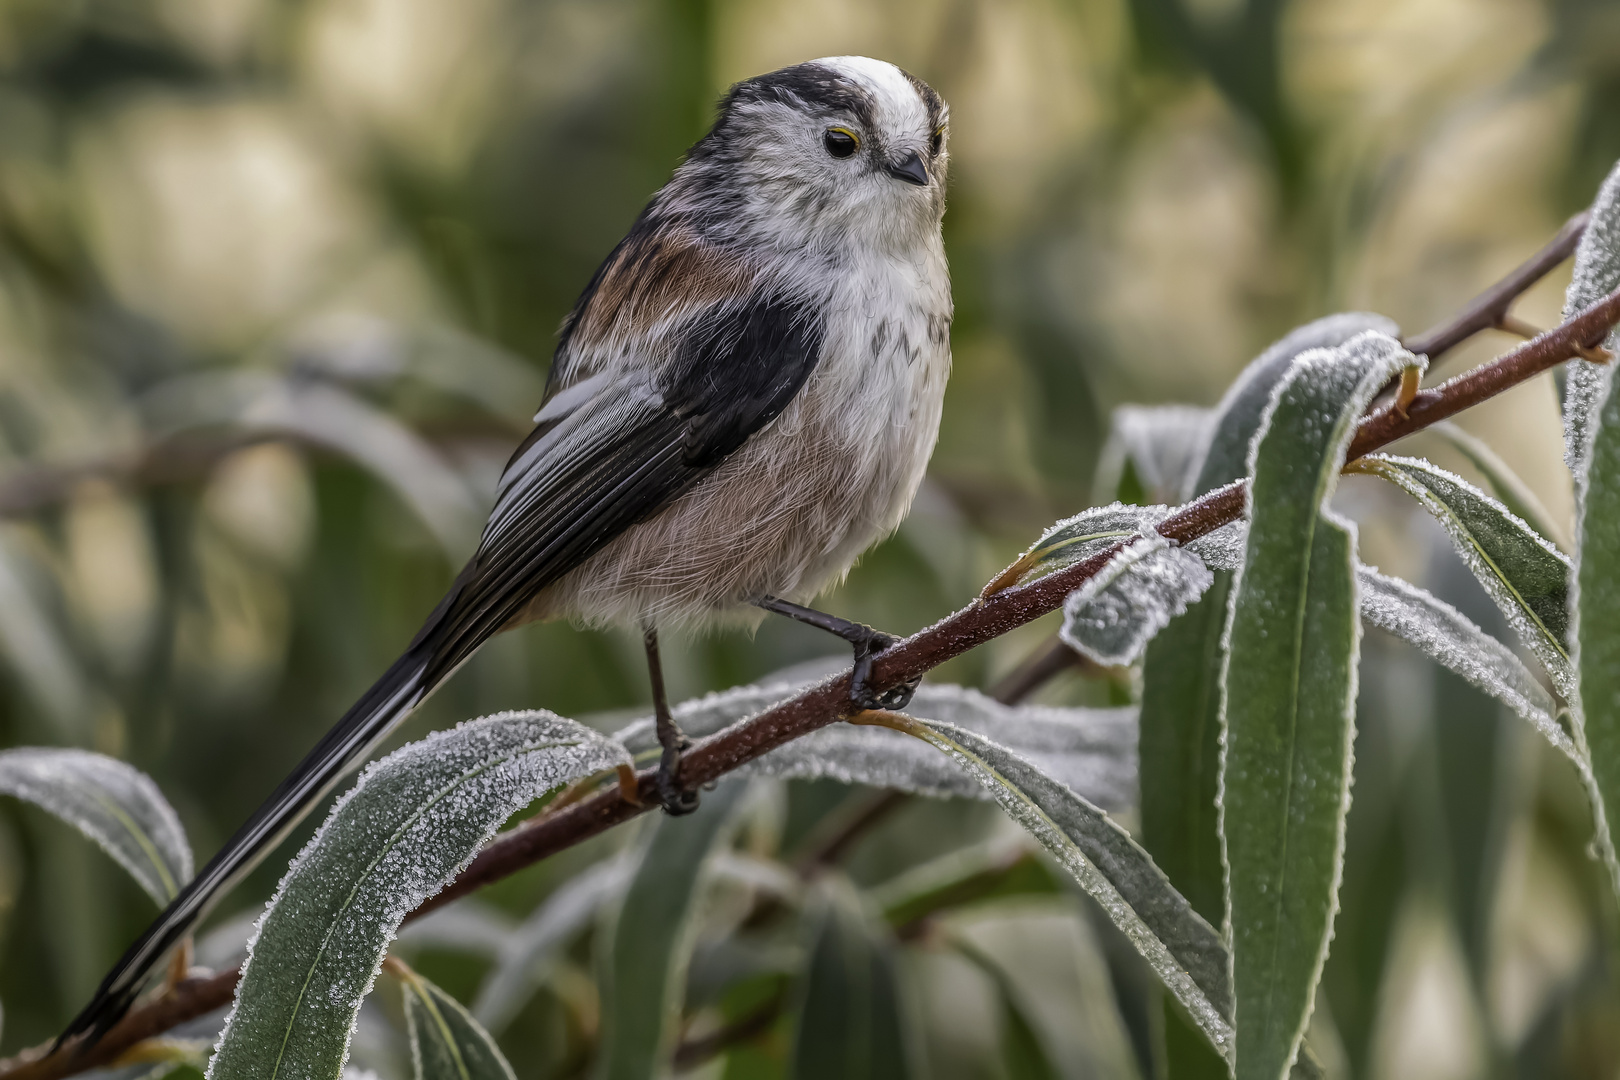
279	283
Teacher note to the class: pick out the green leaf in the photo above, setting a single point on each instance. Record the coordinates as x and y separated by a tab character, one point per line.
1180	718
1597	620
1111	618
1456	643
1513	492
1180	751
649	946
446	1042
400	835
1520	570
1244	405
1076	539
113	804
851	1021
1184	951
1596	274
325	415
1289	701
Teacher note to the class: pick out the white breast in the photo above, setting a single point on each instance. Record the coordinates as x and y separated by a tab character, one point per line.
789	512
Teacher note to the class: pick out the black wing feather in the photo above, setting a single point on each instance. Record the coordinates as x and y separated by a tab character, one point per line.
728	379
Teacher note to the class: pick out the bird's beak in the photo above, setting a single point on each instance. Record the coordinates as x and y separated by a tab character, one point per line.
910	169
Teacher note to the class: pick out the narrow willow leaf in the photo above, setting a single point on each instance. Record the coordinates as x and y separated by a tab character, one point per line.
1596	274
328	416
1184	951
1597	619
1519	569
1076	539
1113	616
1238	416
1093	751
1513	492
528	950
400	835
1180	740
1181	670
650	944
446	1042
113	804
1456	643
851	1022
1156	446
1289	701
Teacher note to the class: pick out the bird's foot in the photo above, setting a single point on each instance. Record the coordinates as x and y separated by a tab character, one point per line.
676	800
867	645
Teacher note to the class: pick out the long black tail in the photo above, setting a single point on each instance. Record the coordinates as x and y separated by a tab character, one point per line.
372	717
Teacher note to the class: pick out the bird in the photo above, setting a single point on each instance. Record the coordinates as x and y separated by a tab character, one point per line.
743	400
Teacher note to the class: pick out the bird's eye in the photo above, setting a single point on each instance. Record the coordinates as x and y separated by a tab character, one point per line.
840	142
935	143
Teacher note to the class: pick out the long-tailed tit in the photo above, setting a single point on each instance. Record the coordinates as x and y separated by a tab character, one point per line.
742	401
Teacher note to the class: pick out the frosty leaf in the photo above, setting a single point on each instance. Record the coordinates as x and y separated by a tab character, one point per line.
1179	735
327	416
113	804
1076	539
446	1042
1093	751
643	974
1520	570
1596	274
1288	700
528	950
1150	452
1184	951
1597	594
1452	640
1180	721
1237	417
1113	616
1513	492
851	1021
400	835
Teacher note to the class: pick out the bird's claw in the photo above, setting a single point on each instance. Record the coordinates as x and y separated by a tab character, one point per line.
676	800
860	690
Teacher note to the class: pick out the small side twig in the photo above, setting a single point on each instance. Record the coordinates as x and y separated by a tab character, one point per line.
1487	310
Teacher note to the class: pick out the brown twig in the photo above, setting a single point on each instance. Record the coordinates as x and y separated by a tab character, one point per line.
1487	310
827	703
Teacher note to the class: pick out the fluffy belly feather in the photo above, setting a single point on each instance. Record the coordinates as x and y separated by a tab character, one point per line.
790	511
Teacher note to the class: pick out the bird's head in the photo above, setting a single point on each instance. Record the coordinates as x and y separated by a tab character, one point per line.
823	153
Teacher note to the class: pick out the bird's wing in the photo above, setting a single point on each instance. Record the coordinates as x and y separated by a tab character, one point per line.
606	453
611	450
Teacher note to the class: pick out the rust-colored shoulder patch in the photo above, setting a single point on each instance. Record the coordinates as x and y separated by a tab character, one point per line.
656	275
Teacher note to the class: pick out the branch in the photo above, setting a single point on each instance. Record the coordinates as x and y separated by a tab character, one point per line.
827	703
